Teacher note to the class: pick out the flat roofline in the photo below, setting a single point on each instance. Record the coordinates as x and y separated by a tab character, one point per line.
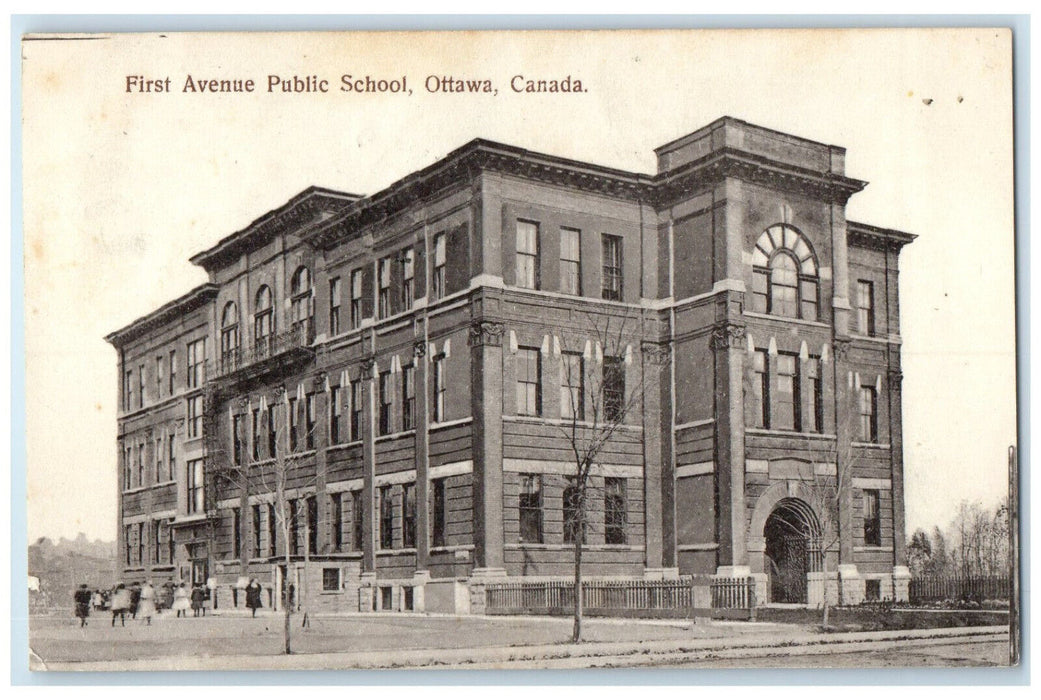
188	302
708	128
890	234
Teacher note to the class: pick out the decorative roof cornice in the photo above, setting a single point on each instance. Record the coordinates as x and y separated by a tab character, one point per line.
868	236
313	205
731	162
200	296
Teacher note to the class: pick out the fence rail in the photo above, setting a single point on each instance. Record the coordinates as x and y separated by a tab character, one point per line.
934	588
619	596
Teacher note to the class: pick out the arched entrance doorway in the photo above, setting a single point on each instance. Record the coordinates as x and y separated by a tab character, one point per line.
793	536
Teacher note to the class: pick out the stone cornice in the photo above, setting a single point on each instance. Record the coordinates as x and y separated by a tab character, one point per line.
173	310
867	236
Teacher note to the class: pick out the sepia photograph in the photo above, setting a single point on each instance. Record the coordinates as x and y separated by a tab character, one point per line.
472	350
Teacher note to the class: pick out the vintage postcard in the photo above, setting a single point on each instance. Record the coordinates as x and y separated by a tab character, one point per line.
569	349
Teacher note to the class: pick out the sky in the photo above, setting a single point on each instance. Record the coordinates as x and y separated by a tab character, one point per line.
121	188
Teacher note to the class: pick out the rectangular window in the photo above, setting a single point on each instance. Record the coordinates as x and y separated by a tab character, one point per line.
614	510
196	496
572	386
529	382
337	506
335	411
335	298
530	508
872	519
383	276
440	259
256	530
865	307
294	423
310	421
196	363
236	533
786	413
760	290
127	462
612	257
141	464
157	542
254	434
356	299
141	386
570	261
816	395
868	414
312	525
140	543
173	371
408	277
128	390
158	376
330	579
760	391
171	457
408	397
385	403
272	529
614	388
237	438
357	406
527	254
158	451
408	515
573	522
439	511
386	503
357	521
272	435
439	388
294	528
127	547
195	417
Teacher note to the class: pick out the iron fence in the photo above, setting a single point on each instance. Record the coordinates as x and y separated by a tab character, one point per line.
924	589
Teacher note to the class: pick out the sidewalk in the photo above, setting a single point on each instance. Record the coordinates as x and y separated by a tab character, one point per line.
560	655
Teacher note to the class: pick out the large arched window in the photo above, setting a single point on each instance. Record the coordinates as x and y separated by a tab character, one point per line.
229	335
784	274
302	302
263	320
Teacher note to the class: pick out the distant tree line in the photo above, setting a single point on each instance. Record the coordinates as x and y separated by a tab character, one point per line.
975	543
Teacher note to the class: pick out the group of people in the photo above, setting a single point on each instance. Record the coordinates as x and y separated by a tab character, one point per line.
142	599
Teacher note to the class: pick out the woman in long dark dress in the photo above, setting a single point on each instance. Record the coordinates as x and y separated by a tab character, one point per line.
253	596
82	597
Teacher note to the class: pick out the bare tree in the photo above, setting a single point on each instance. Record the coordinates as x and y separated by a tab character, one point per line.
598	395
275	481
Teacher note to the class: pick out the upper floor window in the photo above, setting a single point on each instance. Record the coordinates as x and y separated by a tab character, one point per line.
158	376
868	409
440	260
356	298
196	495
383	279
530	508
614	388
335	295
614	510
787	408
612	264
385	403
335	414
196	363
438	405
408	397
872	518
229	335
357	406
570	261
784	274
310	421
815	394
263	319
195	417
572	386
527	254
294	424
760	391
301	309
238	440
529	382
408	278
255	436
128	390
173	371
141	386
865	307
